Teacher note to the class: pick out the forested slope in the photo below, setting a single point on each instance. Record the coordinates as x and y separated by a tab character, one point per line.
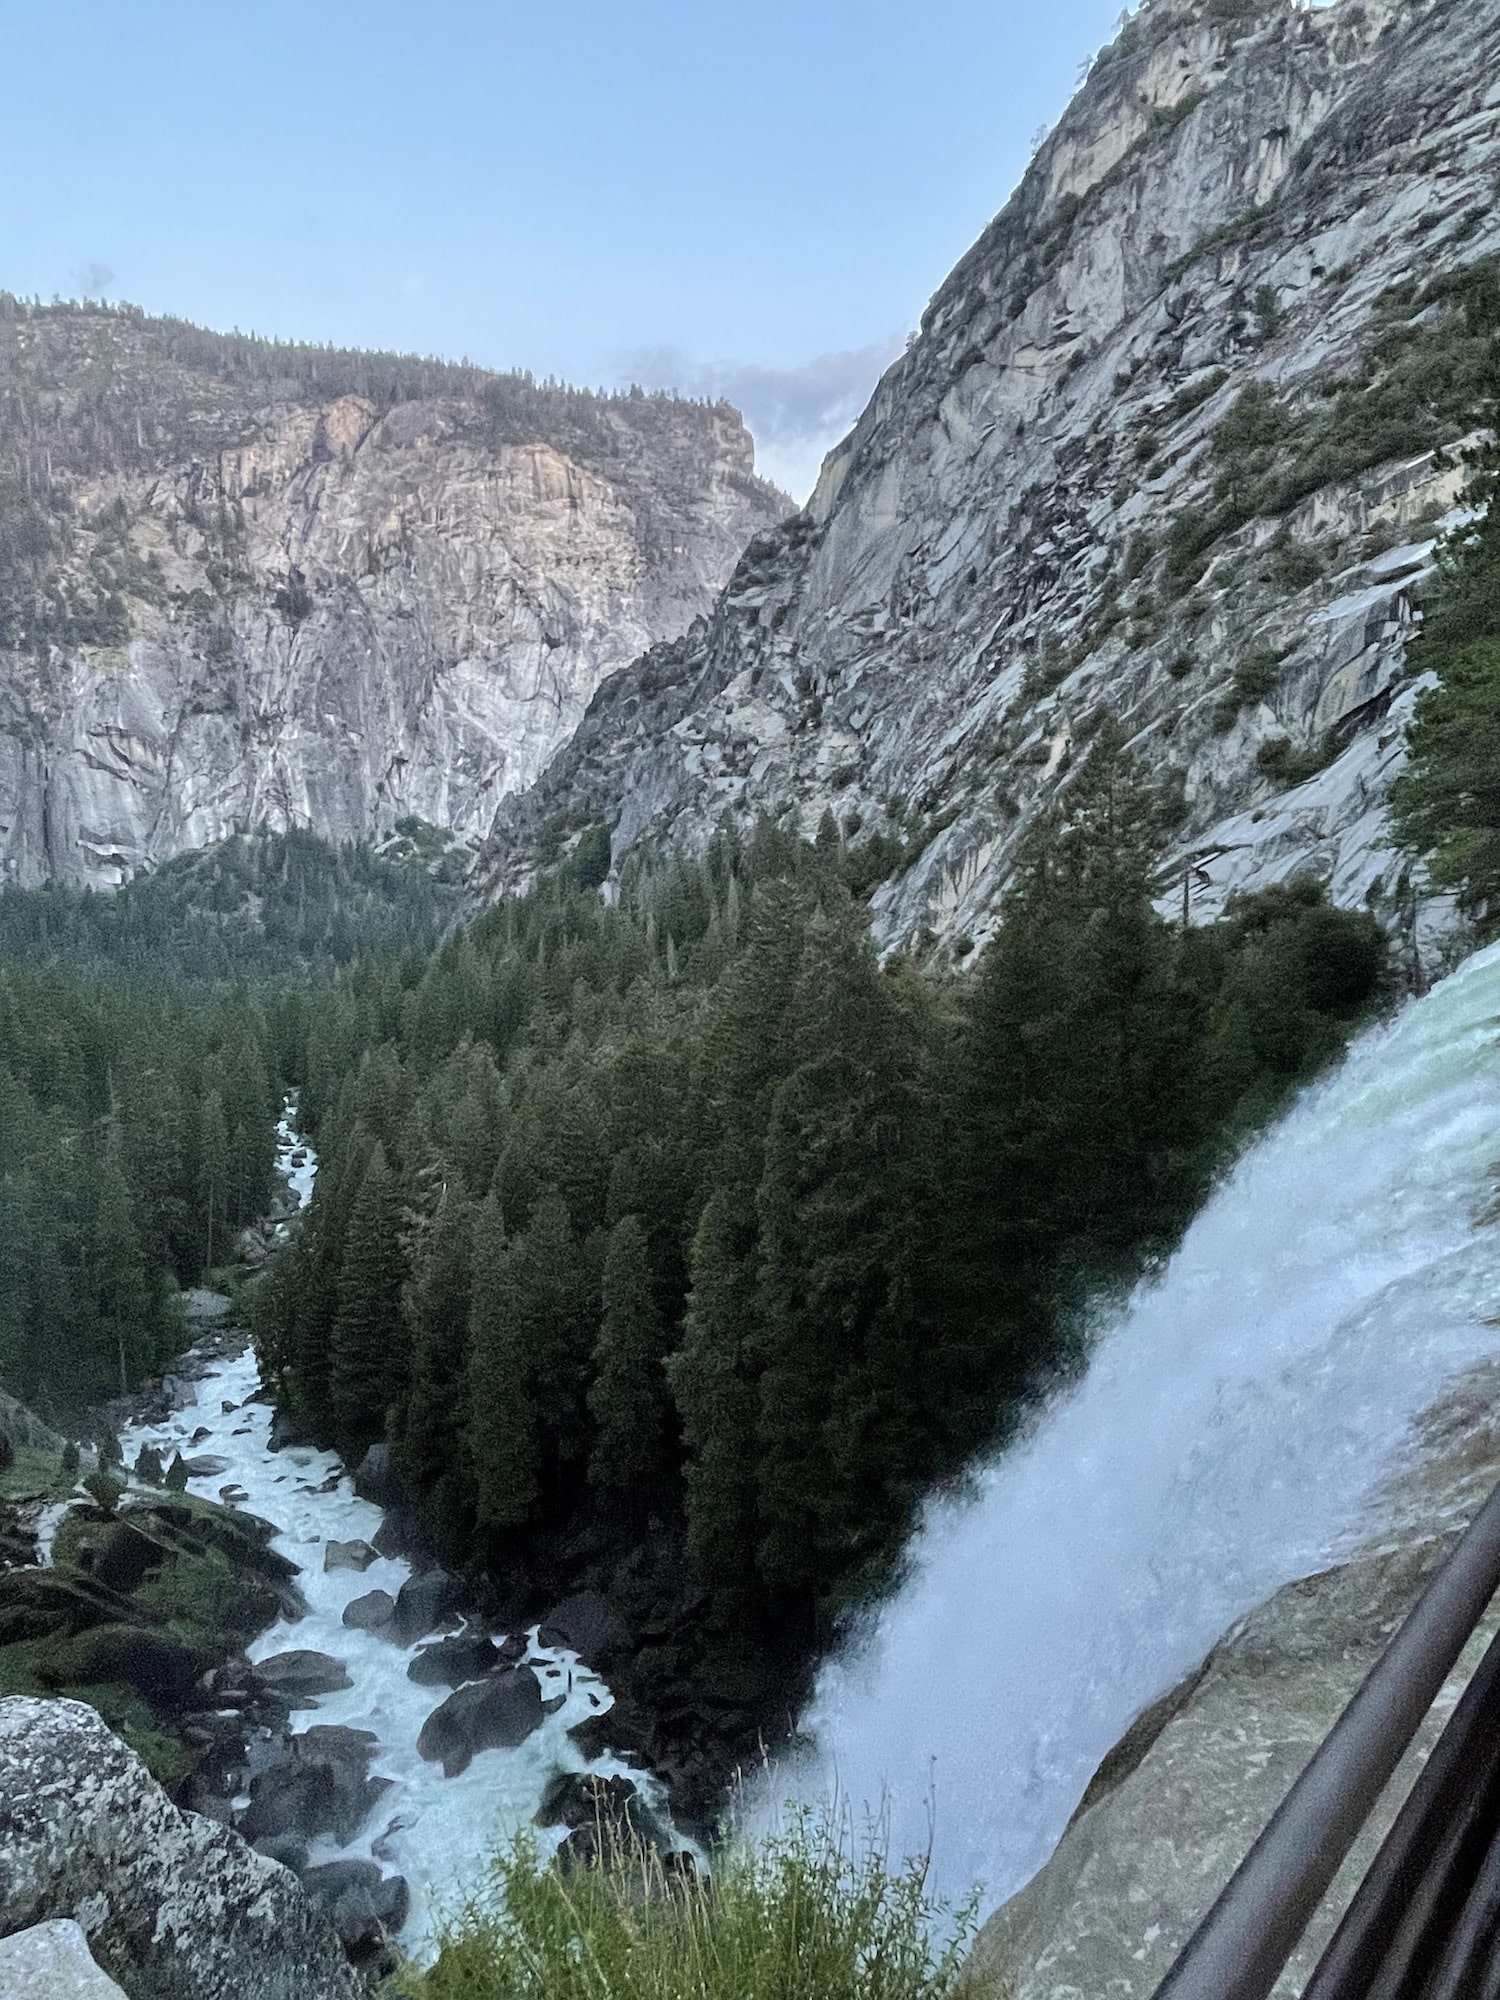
678	1247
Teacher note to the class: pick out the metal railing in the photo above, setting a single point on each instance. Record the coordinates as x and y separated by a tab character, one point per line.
1430	1905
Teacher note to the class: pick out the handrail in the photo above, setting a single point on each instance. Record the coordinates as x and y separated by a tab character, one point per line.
1241	1946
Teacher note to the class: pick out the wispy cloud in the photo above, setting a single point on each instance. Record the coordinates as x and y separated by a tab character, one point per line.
93	280
795	414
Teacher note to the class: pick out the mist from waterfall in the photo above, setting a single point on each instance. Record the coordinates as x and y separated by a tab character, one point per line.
1224	1440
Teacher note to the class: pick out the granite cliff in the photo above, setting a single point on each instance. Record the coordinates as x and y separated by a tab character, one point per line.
243	582
1175	441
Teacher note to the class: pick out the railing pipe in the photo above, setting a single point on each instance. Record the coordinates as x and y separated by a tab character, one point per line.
1241	1946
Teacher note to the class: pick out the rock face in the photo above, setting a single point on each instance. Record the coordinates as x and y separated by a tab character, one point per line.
1174	1809
242	583
173	1906
1057	504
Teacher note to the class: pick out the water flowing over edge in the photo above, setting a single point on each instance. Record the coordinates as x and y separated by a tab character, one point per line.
1225	1440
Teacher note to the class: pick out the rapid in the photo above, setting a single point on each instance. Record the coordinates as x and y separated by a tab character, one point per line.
437	1832
1224	1440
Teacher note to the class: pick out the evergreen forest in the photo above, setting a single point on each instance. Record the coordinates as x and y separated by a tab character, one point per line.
145	1041
677	1244
678	1247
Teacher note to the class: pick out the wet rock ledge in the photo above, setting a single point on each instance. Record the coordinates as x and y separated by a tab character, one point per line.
1176	1805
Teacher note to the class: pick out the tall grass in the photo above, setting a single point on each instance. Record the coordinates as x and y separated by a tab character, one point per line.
810	1913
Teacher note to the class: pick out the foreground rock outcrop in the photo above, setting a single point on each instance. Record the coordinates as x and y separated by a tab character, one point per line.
51	1961
173	1906
244	583
1174	443
1175	1807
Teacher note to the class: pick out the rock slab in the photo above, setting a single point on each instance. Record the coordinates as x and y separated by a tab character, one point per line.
51	1962
173	1906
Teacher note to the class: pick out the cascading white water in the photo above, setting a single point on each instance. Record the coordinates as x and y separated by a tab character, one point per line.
1224	1440
437	1832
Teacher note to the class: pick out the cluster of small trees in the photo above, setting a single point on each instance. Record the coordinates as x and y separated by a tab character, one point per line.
690	1212
144	1041
1447	803
134	1142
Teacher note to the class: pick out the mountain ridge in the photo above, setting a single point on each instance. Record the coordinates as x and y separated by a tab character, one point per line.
249	582
1059	502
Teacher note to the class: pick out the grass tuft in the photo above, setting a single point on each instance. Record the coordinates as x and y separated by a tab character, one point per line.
807	1914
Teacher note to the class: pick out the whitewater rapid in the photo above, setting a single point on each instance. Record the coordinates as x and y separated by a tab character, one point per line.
438	1832
1225	1439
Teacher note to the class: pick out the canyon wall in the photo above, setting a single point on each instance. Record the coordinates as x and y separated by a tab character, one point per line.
244	583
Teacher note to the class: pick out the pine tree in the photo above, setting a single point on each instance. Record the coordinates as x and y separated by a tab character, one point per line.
837	1261
628	1396
502	1429
367	1358
1446	804
213	1175
713	1386
436	1305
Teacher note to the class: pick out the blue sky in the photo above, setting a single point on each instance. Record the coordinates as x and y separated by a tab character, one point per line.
753	201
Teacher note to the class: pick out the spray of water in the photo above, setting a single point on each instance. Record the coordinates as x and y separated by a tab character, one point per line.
1225	1440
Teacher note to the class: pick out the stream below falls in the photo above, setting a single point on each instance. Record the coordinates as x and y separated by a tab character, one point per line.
437	1832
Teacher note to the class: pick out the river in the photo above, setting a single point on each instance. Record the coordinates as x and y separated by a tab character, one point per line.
437	1832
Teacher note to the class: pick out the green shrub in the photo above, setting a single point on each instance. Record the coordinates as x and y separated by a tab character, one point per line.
1195	394
800	1917
1254	678
1279	760
104	1489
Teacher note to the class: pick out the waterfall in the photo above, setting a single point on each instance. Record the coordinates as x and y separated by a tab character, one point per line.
1224	1440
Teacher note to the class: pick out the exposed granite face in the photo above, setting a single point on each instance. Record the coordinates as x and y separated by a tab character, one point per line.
1176	1806
173	1906
51	1962
984	566
329	610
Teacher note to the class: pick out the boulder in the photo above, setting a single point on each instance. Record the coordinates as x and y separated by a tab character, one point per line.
494	1714
284	1431
588	1626
424	1604
22	1428
302	1675
348	1555
51	1962
365	1906
321	1786
174	1906
402	1536
450	1662
201	1307
284	1848
377	1480
371	1613
207	1466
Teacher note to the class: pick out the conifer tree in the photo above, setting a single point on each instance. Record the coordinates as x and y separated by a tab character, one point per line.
503	1434
713	1386
436	1305
367	1357
837	1250
213	1174
628	1396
